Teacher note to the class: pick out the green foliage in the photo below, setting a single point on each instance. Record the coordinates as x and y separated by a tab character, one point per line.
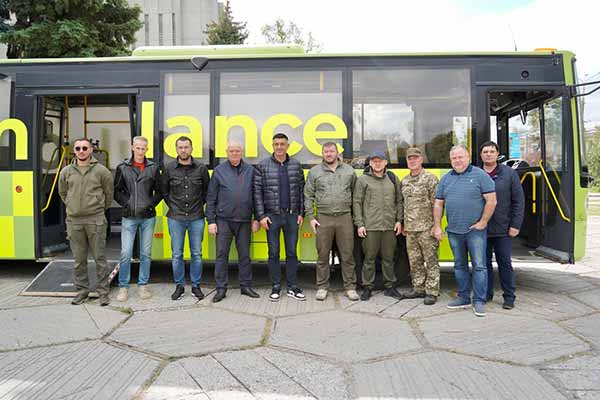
226	30
282	32
70	28
593	157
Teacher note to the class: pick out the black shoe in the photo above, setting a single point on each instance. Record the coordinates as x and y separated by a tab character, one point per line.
508	306
197	292
366	295
296	293
104	300
248	291
430	300
80	298
220	295
275	293
414	294
392	292
178	293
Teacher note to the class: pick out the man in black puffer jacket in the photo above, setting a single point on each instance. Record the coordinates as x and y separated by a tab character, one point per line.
505	224
279	206
137	191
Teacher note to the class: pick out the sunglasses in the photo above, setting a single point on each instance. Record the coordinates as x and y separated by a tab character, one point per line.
82	148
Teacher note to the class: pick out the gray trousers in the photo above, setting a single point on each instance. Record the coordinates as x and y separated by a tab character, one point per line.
83	238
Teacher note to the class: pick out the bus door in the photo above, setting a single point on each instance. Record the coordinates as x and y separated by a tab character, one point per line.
54	155
533	135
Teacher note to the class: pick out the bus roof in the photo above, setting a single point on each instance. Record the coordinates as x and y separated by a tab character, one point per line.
174	53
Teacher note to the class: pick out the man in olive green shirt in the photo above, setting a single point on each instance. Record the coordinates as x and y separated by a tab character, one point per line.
329	187
378	214
86	188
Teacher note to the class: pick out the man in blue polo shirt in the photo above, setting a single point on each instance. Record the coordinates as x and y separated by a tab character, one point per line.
470	199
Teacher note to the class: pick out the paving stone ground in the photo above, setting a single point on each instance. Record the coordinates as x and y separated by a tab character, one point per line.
548	347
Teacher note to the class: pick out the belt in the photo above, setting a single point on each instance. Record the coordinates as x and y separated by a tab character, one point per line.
285	211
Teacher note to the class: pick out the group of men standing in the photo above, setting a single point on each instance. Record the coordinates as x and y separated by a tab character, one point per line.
240	199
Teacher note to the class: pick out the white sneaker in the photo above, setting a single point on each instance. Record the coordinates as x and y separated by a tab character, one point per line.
321	294
123	294
352	295
144	292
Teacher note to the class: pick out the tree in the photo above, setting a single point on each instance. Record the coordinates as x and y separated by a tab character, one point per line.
69	28
282	32
226	30
593	156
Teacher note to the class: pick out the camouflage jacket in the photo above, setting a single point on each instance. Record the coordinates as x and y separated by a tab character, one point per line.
419	195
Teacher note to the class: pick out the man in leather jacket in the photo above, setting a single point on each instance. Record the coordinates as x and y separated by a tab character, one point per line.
137	191
184	184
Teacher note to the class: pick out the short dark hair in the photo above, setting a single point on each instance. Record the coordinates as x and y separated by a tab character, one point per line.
83	139
280	136
329	144
489	143
183	139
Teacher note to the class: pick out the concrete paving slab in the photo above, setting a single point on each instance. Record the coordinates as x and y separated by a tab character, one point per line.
104	318
579	376
251	374
590	297
199	330
588	327
440	375
501	337
551	281
391	308
45	325
161	297
344	336
285	306
9	296
540	304
87	370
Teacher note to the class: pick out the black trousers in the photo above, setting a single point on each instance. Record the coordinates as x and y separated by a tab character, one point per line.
226	231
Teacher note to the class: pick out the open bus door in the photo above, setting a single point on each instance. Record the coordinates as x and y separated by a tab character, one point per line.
53	155
532	128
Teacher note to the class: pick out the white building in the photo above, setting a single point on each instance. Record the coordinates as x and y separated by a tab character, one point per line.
174	22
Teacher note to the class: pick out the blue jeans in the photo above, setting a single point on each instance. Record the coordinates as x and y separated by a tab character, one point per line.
288	223
474	244
502	247
129	228
195	230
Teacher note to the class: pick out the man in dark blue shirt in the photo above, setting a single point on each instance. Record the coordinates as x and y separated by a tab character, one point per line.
469	196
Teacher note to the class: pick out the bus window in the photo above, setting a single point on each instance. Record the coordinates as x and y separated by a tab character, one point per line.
5	92
187	112
305	105
524	140
395	109
553	134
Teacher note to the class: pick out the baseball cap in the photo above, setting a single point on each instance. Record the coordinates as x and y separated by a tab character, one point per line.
413	151
378	154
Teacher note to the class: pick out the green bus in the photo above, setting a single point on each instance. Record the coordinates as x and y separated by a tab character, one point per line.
526	101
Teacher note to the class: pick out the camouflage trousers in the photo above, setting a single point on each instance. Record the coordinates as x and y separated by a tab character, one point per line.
422	251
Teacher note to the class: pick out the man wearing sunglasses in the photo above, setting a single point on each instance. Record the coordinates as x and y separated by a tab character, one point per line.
86	188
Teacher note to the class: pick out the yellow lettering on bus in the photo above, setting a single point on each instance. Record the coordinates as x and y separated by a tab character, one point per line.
194	132
311	132
147	129
223	125
268	130
20	131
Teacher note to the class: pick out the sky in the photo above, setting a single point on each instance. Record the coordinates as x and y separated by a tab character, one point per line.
441	25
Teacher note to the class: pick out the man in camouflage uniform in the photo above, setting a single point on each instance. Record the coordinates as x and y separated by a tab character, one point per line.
418	190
